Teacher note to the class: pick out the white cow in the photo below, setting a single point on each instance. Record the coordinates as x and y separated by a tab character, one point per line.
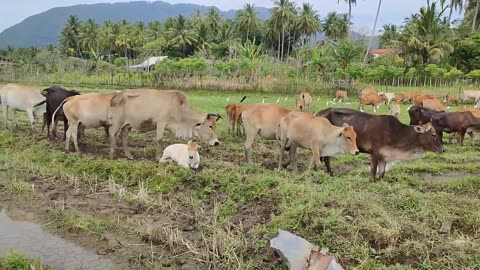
466	95
22	98
185	155
390	96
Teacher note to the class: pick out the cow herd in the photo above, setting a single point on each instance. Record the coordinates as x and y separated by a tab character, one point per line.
326	133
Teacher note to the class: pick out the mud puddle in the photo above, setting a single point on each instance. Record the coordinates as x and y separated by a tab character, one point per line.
19	233
445	178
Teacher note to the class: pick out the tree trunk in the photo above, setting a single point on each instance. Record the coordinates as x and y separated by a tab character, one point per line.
450	12
373	33
349	18
278	48
474	23
283	41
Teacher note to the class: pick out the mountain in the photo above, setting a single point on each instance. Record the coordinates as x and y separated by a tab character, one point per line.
44	28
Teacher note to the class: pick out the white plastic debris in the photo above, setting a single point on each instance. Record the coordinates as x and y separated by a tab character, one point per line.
299	254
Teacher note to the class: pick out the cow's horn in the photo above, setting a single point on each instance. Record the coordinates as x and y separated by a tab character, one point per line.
214	114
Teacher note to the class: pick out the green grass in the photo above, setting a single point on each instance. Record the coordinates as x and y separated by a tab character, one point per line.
16	261
389	224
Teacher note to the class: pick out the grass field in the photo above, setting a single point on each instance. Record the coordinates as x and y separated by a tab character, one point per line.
145	215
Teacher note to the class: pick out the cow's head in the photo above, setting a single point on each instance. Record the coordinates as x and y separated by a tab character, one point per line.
348	140
428	138
206	130
193	156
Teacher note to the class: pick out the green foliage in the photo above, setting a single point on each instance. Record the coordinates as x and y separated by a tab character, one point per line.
474	74
120	62
16	261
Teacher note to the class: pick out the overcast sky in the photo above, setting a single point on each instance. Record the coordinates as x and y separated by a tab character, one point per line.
392	11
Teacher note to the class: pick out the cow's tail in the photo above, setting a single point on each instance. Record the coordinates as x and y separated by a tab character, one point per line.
58	108
40	103
244	97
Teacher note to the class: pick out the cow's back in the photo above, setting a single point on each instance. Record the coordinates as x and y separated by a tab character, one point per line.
19	96
91	109
264	117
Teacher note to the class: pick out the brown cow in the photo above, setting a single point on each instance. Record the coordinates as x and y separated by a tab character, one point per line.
307	100
451	100
316	133
433	104
261	119
458	122
384	137
371	99
233	116
341	95
368	91
473	132
418	99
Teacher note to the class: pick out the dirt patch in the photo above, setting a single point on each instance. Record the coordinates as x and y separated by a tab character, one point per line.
253	213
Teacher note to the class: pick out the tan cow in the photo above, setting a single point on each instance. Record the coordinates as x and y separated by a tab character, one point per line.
371	99
409	96
87	110
395	109
418	99
261	119
433	104
147	109
451	100
307	100
300	104
233	112
22	98
466	95
400	97
315	133
341	95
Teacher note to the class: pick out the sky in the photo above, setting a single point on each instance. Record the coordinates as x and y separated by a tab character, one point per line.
392	11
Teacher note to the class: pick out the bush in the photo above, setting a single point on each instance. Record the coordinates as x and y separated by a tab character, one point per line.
16	261
120	62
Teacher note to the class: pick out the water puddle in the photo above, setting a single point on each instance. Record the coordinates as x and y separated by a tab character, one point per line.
18	233
445	178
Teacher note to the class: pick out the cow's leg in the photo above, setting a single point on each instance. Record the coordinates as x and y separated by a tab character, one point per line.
315	156
381	167
69	135
14	118
5	114
462	135
124	132
159	136
113	131
440	136
327	160
251	134
107	135
374	109
31	117
74	135
281	154
293	157
373	165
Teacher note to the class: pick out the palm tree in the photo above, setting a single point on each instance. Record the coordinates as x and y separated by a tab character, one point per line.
283	14
390	33
214	21
89	36
203	37
335	26
70	34
181	35
247	19
308	22
474	23
350	3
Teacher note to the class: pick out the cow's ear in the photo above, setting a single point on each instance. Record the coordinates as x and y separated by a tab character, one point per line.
428	127
419	129
345	125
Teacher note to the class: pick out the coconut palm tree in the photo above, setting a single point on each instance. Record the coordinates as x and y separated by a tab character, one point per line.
335	26
247	20
283	13
308	22
214	21
350	3
89	36
390	33
180	34
70	34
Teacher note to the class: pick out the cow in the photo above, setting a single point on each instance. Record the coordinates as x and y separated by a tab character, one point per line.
418	99
433	104
384	137
341	95
88	110
451	100
233	115
307	100
420	115
473	132
399	97
477	103
21	98
261	119
409	96
315	133
185	155
54	96
371	99
368	91
395	110
300	104
389	97
450	122
466	95
148	109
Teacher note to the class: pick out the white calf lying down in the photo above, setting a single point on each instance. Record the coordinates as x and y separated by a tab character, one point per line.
186	155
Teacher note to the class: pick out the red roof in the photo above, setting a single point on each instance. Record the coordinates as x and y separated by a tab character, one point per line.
382	51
